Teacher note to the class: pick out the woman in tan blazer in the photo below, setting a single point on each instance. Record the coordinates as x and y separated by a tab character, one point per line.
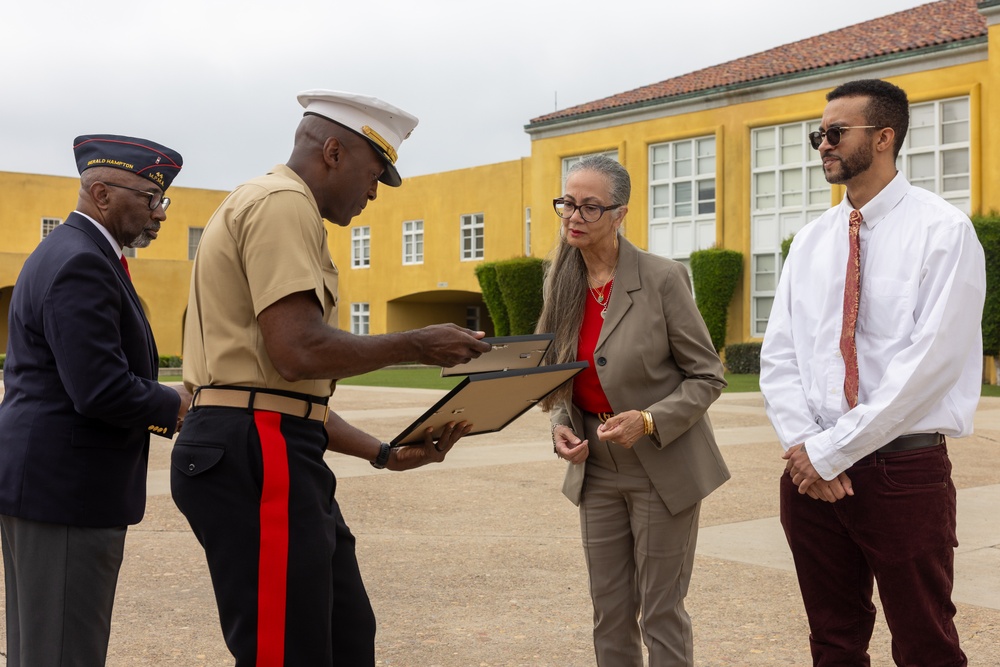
633	426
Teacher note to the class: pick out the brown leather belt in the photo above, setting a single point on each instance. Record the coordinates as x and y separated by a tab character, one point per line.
914	441
249	399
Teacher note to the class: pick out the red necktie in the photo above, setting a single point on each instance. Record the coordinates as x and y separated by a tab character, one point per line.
125	266
852	296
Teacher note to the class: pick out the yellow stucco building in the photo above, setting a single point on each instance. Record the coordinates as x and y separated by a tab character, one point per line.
717	157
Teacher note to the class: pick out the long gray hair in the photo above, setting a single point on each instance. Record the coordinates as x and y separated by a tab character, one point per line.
565	287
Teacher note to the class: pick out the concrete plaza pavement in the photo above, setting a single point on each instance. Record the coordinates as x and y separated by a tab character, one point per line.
477	562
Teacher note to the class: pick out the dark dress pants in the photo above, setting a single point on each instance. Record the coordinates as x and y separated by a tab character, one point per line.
898	530
260	499
60	585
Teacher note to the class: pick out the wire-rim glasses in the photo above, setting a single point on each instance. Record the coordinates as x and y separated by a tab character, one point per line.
833	134
589	212
155	198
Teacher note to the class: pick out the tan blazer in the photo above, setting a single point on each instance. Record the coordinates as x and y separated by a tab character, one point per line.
654	353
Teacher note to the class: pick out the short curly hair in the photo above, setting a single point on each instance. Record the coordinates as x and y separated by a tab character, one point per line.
887	105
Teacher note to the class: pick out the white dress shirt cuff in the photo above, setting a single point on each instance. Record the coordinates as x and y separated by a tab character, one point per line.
825	457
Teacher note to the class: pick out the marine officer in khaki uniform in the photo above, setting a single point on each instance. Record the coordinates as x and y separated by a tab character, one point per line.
262	354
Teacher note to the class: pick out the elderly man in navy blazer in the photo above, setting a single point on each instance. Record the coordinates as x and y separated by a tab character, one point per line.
81	399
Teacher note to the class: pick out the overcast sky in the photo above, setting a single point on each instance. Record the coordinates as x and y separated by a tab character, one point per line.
217	80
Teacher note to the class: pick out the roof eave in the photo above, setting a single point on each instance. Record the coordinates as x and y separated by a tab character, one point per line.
671	100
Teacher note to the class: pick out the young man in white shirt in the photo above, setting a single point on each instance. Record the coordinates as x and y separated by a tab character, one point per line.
872	355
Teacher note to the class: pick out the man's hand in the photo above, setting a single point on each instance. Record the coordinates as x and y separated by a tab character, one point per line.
804	476
408	457
185	404
568	446
448	345
623	429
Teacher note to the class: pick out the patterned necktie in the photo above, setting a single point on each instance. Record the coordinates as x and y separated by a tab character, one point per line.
125	266
852	296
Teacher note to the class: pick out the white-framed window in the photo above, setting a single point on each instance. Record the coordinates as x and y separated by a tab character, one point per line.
194	238
527	232
473	229
413	242
787	190
682	197
48	224
361	247
359	318
570	161
473	318
935	155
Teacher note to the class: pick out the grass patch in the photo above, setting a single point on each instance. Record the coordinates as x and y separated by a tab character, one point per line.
421	377
418	377
742	382
991	390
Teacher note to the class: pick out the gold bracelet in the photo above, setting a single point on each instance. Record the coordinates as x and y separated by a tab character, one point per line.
647	422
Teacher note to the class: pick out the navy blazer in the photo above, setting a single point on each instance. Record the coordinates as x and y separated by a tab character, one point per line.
81	394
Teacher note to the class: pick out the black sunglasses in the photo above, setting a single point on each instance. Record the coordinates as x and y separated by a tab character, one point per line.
833	134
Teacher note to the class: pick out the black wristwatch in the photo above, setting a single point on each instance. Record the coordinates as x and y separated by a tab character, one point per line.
382	459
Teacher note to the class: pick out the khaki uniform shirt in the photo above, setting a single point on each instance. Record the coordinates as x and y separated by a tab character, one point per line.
266	241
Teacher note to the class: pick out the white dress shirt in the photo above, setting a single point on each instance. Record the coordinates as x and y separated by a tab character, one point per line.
919	338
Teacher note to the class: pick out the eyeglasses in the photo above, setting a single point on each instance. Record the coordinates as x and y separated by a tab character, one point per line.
155	198
833	134
589	212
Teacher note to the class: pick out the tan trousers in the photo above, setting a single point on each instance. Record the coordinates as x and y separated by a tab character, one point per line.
639	558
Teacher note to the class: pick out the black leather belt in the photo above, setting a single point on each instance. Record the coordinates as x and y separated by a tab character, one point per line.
914	441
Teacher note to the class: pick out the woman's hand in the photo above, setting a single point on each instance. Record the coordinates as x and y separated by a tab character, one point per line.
568	446
623	429
408	457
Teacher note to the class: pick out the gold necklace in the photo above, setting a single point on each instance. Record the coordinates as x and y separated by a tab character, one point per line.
598	292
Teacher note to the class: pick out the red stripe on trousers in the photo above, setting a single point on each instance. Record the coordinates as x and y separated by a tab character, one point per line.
273	562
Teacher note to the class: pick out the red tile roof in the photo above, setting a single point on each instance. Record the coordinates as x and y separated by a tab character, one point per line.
930	25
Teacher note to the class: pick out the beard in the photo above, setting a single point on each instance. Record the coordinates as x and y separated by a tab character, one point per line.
852	165
141	241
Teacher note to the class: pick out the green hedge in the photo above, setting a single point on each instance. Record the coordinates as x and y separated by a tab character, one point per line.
988	230
743	358
3	358
520	282
715	272
786	245
512	292
167	361
486	273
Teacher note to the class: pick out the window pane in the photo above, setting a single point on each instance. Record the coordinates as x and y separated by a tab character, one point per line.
661	171
955	162
706	197
954	133
682	199
791	144
791	187
954	110
920	167
764	148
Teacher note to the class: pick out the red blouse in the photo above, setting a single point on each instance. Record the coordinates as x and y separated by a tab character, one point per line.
587	391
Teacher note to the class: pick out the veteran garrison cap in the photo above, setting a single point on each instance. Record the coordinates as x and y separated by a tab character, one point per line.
140	156
383	125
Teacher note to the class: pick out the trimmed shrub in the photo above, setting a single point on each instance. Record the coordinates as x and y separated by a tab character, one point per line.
786	245
167	361
3	358
988	230
743	358
715	273
520	282
486	274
